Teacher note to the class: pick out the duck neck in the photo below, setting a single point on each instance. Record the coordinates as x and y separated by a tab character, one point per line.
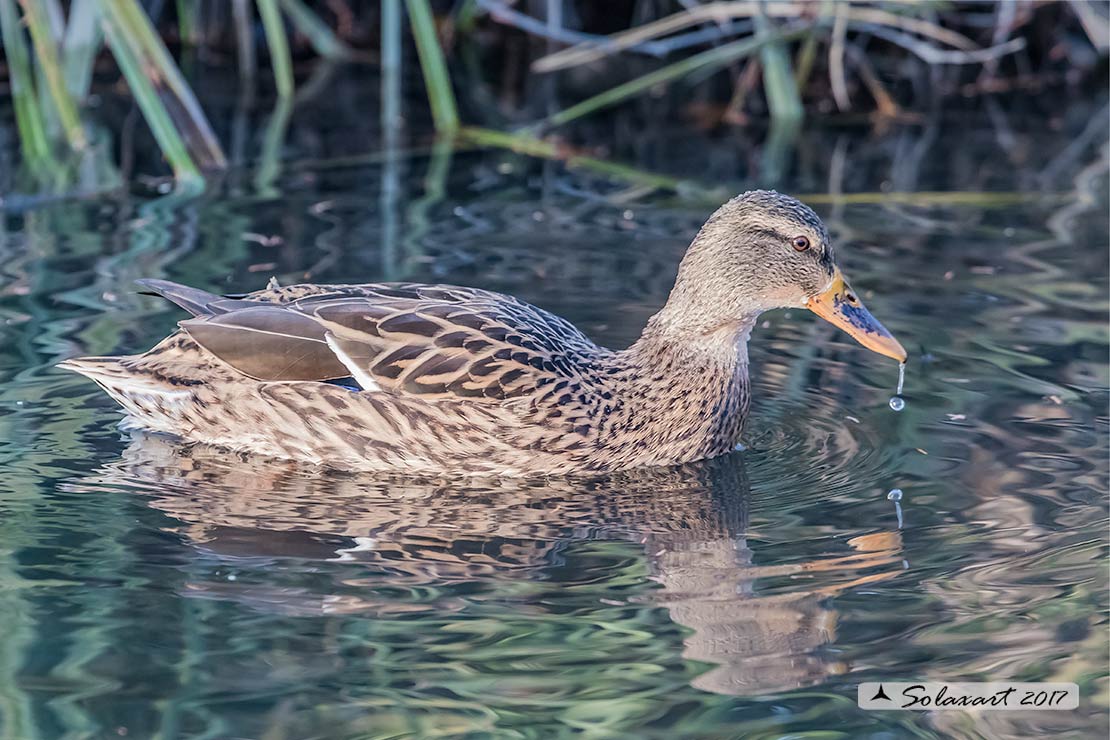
669	336
687	389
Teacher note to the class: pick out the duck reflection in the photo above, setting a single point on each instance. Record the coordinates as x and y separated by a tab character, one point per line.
690	520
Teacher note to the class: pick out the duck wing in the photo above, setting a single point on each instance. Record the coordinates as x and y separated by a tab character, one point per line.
427	341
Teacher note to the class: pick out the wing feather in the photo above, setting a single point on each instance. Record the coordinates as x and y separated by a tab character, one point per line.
268	343
357	368
431	342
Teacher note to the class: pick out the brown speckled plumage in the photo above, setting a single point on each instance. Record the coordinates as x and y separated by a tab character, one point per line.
462	380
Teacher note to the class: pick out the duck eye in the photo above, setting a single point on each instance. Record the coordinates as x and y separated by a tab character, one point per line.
801	243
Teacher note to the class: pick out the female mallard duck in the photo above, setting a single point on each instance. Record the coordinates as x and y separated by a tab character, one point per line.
438	378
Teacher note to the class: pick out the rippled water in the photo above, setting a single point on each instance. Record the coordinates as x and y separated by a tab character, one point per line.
151	589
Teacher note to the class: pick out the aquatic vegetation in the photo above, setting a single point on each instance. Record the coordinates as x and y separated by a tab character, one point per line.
166	100
784	59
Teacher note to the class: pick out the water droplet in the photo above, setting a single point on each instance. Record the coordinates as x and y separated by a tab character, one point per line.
895	494
897	402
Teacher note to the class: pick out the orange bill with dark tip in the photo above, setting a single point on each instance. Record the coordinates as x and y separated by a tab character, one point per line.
840	306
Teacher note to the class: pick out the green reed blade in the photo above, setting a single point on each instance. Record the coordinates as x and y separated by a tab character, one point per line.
36	14
466	16
807	54
391	46
80	46
32	132
133	62
162	76
55	23
188	30
55	18
712	59
322	38
280	59
523	143
440	95
779	85
803	61
244	42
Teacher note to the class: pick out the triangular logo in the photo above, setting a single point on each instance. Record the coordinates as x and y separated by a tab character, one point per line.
880	694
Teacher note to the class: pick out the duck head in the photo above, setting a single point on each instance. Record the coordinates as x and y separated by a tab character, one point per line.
761	251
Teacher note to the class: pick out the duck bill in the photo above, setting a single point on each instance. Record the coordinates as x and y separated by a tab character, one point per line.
840	306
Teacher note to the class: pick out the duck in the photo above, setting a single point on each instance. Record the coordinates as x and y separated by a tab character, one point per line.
443	379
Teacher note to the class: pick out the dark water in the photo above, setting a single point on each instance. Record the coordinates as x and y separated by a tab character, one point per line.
153	590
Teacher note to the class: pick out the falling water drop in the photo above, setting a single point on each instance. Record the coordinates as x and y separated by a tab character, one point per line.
895	495
897	402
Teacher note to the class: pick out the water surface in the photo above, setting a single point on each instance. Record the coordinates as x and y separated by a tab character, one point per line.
151	589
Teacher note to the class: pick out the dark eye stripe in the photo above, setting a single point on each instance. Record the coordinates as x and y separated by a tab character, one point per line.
772	234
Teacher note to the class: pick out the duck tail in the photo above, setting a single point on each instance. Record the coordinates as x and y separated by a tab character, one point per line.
195	301
152	402
96	368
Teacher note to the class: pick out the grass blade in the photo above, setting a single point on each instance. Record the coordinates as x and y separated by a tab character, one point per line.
80	45
711	59
27	115
188	30
837	77
523	143
391	65
162	76
280	59
722	12
132	61
55	18
37	17
244	41
778	77
440	95
803	62
390	112
322	38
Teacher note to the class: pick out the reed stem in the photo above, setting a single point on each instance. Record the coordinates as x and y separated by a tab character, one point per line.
440	95
278	42
133	63
391	65
28	117
188	30
83	38
712	59
778	77
168	82
322	38
36	15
